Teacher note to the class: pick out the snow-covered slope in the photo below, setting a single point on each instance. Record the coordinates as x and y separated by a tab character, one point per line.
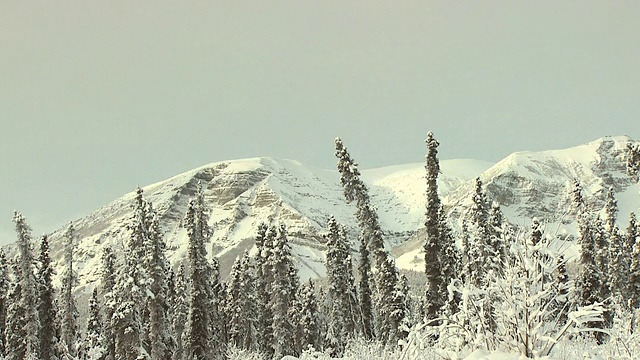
243	193
538	184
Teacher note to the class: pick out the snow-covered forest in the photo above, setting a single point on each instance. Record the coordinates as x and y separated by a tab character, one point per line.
489	290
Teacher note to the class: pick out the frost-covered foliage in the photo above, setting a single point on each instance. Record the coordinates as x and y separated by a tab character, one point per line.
21	332
69	311
388	305
517	310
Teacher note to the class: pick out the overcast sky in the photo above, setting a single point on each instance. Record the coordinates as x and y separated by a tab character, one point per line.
97	97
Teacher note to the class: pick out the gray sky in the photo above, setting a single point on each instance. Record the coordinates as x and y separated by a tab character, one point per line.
99	96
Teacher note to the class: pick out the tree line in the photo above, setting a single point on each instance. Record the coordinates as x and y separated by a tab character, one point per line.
503	286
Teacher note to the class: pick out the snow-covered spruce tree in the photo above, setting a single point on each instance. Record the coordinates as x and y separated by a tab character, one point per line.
634	276
108	281
632	291
283	295
22	315
618	267
180	310
386	274
562	287
496	227
354	190
451	266
68	309
481	256
611	211
4	291
307	332
198	345
588	284
130	290
93	344
242	304
264	280
341	322
157	267
217	314
433	248
48	333
633	161
14	332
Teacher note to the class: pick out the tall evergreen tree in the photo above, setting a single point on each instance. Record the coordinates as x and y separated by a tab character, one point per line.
341	322
611	211
618	266
199	340
587	287
355	190
634	275
157	267
108	281
48	332
383	268
4	292
433	251
264	280
307	321
180	311
69	311
242	304
481	256
22	316
15	332
283	295
630	237
130	289
93	344
496	228
633	161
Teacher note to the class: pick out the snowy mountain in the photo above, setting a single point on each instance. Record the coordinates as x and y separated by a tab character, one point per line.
243	193
530	185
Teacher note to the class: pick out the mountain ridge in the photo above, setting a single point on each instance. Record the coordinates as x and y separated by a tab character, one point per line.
243	193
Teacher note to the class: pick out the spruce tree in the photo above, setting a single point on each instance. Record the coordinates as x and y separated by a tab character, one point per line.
481	256
634	275
561	283
307	321
180	311
633	161
618	266
434	300
629	241
69	311
198	333
283	295
355	190
157	267
23	311
242	304
4	292
386	274
341	325
587	287
15	332
93	344
108	281
611	211
451	264
48	332
496	228
264	280
130	289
